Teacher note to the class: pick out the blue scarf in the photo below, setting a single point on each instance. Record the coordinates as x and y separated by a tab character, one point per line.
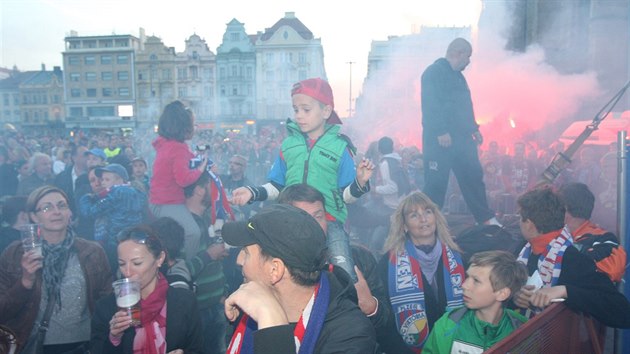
549	262
247	326
406	291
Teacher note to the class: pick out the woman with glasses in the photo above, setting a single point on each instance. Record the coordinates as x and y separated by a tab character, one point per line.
423	271
68	277
170	321
172	171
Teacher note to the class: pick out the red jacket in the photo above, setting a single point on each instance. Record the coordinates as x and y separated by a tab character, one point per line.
170	172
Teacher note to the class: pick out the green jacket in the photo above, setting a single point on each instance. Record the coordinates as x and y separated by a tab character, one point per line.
318	166
460	327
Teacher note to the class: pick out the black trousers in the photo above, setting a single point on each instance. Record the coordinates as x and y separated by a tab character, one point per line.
462	158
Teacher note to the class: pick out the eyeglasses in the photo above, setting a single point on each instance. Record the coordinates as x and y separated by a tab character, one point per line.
48	207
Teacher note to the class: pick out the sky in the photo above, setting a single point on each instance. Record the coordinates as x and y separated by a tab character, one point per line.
32	32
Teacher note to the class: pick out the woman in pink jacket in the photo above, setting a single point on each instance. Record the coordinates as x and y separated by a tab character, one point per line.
171	172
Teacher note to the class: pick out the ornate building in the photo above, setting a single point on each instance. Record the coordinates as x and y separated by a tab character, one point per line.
286	52
236	81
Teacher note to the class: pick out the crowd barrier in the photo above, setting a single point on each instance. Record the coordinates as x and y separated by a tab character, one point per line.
557	329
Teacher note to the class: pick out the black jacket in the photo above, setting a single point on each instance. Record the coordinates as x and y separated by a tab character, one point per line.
446	103
346	329
588	290
183	325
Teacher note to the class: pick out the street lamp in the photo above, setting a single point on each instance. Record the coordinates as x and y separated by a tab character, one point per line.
350	92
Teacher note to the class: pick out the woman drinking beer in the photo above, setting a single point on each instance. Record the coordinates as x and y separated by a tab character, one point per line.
48	294
140	256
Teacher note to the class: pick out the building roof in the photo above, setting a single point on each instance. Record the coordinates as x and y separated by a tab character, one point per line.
14	81
290	20
43	77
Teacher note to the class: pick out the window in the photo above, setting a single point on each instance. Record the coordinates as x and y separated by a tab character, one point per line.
123	75
75	77
107	111
74	60
234	90
122	59
234	36
89	60
302	58
91	92
123	91
56	99
75	92
194	72
250	72
76	112
122	42
106	76
234	71
106	59
5	99
107	92
269	57
222	73
181	73
181	92
207	73
166	74
90	76
222	90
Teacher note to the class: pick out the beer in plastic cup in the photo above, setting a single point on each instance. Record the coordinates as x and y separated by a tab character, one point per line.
31	239
127	293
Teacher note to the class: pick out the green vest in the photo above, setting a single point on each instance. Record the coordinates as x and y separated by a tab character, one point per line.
318	166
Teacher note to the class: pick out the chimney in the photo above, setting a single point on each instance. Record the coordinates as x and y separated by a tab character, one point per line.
289	14
43	67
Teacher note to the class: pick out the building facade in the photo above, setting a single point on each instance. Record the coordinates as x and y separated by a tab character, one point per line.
165	75
236	77
286	53
99	72
41	98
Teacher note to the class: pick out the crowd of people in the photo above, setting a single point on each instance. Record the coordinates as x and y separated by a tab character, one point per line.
294	242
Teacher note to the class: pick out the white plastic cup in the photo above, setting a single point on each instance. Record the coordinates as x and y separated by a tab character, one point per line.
127	293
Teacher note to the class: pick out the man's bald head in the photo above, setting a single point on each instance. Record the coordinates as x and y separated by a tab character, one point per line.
458	54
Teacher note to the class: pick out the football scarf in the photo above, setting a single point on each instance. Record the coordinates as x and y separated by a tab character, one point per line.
406	291
550	261
312	319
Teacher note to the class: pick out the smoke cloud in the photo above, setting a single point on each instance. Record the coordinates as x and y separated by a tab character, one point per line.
516	95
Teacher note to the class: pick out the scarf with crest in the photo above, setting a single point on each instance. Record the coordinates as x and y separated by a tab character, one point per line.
406	291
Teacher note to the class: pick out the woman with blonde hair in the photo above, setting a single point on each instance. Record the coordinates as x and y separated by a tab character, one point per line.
423	272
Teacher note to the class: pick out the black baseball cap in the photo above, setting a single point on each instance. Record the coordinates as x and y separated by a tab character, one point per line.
282	231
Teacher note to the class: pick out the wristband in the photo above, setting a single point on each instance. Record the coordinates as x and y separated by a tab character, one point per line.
376	309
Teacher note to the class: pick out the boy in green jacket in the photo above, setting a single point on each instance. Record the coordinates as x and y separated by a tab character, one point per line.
491	279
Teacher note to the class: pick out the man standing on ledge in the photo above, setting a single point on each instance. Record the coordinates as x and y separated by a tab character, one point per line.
450	133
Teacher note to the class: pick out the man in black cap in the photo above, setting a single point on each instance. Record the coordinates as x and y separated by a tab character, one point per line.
288	302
